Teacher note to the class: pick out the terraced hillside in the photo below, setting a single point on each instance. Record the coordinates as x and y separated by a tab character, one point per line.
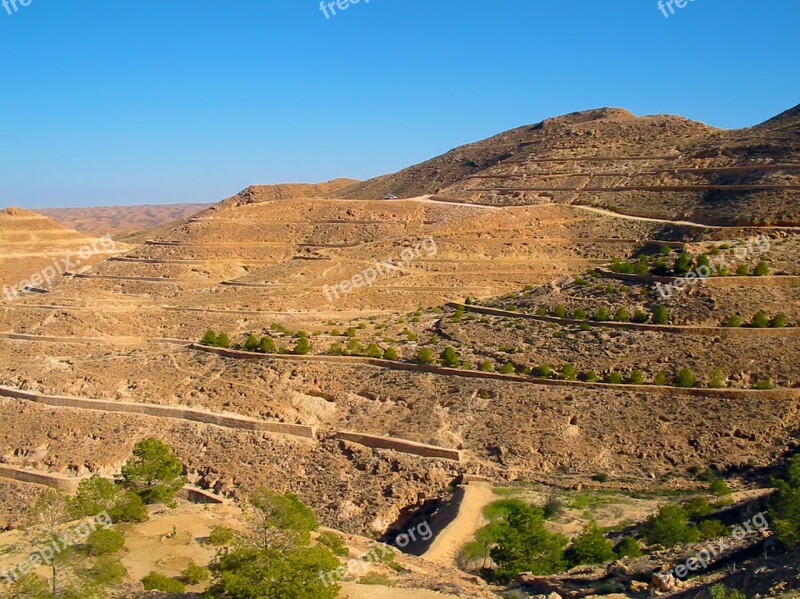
374	355
655	166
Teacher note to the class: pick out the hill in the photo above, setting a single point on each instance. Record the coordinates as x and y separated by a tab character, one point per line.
102	220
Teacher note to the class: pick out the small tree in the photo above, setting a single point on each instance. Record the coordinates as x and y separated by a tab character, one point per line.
670	527
266	345
660	379
685	378
569	372
158	582
761	320
683	264
742	270
661	315
779	321
279	522
223	341
614	378
560	311
507	368
251	343
762	269
487	366
636	378
390	354
336	349
734	321
591	376
580	314
785	507
154	472
591	547
303	347
718	379
621	315
629	547
544	371
640	316
450	357
602	314
104	541
210	338
425	356
373	351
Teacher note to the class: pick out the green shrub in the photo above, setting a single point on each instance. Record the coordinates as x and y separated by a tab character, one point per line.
670	527
762	269
266	345
720	591
591	547
507	368
614	378
779	321
600	477
336	349
553	507
742	270
104	541
712	529
487	366
685	378
425	356
158	582
734	321
220	536
661	315
303	347
251	343
390	354
764	384
660	379
544	371
373	351
222	341
785	506
450	357
129	508
636	378
629	547
194	574
683	264
717	379
697	508
106	571
621	315
580	314
602	315
560	311
540	311
333	542
760	320
375	578
569	372
590	376
640	316
719	488
210	338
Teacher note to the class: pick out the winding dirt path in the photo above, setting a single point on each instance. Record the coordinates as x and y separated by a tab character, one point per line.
445	547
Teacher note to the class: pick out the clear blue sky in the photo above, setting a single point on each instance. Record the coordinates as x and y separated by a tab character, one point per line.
142	101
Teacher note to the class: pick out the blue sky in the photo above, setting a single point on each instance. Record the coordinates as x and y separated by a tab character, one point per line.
145	101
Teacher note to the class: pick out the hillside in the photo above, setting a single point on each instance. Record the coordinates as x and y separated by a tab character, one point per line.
656	166
102	220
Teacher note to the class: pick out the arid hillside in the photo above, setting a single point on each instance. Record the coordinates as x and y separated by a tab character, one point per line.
656	166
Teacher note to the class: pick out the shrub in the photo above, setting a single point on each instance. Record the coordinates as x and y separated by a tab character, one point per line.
720	591
734	321
104	541
712	529
760	320
602	314
762	269
251	343
785	506
507	368
333	542
373	351
106	571
614	378
685	378
717	379
158	582
266	345
629	547
560	311
553	507
390	354
129	508
194	574
660	379
742	270
222	341
640	316
591	547
336	349
210	338
621	315
697	508
540	311
450	357
764	384
719	488
569	372
544	371
487	366
425	356
661	315
636	378
303	347
683	264
376	579
600	477
590	376
220	536
670	527
580	314
779	321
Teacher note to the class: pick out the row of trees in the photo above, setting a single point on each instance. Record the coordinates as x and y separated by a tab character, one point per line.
251	343
660	315
760	320
682	265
